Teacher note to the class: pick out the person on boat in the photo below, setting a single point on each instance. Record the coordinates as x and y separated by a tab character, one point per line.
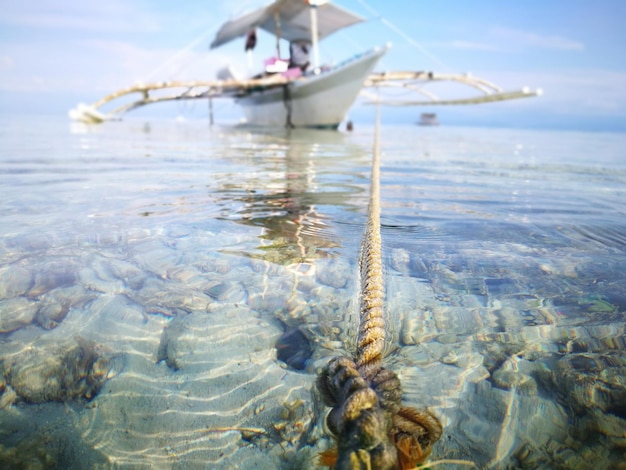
299	54
251	40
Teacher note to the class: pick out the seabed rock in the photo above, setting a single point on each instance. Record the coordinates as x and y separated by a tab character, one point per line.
515	373
30	454
333	272
594	386
293	347
63	372
16	313
42	437
55	305
14	281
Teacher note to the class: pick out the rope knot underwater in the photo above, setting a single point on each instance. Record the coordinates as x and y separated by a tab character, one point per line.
372	428
360	418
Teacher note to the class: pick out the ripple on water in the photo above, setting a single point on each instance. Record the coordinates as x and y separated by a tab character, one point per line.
209	259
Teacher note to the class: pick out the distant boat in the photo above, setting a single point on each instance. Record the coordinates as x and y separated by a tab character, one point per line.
296	92
428	119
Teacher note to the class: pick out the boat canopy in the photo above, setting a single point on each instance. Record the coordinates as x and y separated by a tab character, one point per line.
294	21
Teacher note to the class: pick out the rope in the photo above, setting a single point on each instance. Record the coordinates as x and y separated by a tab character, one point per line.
371	339
179	53
404	35
372	428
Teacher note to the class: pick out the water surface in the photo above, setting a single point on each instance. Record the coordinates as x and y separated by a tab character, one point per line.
168	290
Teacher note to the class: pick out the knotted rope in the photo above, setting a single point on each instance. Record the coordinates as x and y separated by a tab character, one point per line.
372	428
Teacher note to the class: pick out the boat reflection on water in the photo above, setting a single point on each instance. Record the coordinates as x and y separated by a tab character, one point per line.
287	194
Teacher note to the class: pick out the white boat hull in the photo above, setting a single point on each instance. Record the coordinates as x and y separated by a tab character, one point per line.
312	101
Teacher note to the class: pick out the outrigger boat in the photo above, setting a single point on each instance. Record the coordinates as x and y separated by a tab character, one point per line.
298	92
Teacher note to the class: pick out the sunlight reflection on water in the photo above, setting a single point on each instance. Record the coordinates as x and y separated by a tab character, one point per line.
157	265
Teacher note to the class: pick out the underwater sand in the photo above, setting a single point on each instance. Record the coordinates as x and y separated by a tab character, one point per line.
148	272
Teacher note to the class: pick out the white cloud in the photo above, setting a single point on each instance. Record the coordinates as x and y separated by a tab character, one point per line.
111	16
469	45
577	91
511	40
46	48
519	38
6	62
142	64
102	67
118	16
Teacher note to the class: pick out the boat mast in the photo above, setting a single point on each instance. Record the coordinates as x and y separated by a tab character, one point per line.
277	32
314	39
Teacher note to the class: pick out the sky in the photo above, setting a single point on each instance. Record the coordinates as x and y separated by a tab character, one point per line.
56	54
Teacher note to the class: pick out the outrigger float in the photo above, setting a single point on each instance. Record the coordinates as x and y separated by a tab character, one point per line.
297	92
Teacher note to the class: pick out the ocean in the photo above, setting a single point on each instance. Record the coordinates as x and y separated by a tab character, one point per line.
170	290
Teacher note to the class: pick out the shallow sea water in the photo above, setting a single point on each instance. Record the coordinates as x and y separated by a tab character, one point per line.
169	290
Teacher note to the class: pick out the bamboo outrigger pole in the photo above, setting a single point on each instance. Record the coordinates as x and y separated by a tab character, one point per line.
233	88
192	90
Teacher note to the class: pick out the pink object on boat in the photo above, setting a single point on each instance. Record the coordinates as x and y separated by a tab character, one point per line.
293	72
275	65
